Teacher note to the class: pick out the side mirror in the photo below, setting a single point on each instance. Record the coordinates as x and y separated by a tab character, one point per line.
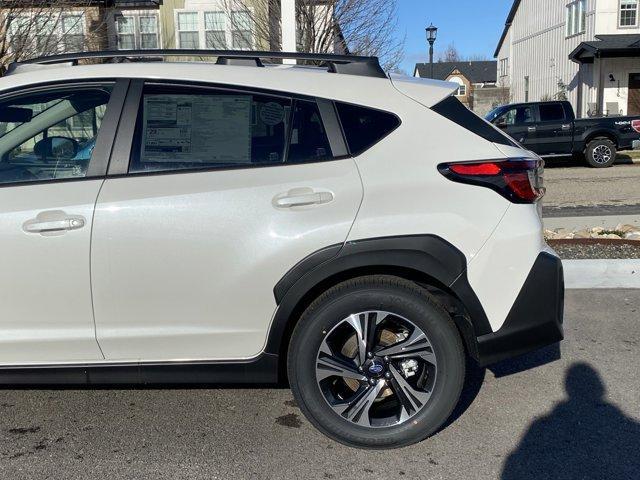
56	148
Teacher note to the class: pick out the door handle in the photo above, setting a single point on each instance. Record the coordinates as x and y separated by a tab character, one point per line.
566	127
300	197
35	226
531	129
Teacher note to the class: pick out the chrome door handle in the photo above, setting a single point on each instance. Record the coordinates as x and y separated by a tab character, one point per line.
301	197
531	129
53	225
566	127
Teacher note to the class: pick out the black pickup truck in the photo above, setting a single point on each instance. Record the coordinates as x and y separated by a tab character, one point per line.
551	129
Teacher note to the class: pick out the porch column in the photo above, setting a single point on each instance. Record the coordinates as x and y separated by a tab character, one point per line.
288	9
600	86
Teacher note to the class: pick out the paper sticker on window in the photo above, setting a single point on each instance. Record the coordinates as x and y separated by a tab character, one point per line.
272	113
197	128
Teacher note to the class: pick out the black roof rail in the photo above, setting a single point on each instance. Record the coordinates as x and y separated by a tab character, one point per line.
344	64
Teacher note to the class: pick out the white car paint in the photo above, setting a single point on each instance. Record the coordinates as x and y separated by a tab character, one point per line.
183	266
46	312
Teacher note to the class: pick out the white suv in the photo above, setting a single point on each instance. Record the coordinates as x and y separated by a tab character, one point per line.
358	235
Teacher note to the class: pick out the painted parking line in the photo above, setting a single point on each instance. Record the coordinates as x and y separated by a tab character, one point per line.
601	273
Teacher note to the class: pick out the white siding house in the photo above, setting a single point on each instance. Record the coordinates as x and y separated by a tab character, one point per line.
587	49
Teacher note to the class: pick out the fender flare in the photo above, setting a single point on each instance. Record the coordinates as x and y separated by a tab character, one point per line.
429	255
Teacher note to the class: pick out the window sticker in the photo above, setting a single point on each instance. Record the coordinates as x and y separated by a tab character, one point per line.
197	128
272	113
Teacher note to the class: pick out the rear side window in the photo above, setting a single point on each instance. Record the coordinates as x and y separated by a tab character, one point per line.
186	129
364	127
309	140
551	112
453	110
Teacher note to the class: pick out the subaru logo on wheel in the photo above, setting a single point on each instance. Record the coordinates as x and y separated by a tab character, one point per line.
376	368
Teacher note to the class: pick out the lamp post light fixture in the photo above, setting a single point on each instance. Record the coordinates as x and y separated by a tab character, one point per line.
432	33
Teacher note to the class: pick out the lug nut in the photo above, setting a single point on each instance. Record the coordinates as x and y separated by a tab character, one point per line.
360	369
387	375
386	359
369	355
372	381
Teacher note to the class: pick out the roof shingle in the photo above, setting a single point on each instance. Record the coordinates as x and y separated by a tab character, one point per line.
475	72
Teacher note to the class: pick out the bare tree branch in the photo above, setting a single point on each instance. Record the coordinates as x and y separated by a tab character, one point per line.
32	28
358	27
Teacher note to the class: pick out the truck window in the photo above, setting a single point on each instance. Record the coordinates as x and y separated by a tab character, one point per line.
516	116
551	112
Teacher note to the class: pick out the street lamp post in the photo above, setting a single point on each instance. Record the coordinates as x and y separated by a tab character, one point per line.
432	33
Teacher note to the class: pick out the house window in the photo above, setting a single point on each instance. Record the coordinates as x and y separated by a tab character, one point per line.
148	25
126	33
629	13
73	32
215	29
241	34
188	31
462	88
215	26
504	67
48	33
137	31
576	17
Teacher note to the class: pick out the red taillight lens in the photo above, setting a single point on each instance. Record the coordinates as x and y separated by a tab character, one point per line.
635	124
518	180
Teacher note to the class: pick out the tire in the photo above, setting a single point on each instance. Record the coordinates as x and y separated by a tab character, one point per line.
600	153
388	422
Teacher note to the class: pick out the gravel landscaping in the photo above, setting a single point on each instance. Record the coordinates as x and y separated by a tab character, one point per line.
587	249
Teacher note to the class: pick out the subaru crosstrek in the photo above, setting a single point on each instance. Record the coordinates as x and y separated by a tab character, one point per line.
357	235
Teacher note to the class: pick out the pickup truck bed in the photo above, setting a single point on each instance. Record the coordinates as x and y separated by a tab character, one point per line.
550	129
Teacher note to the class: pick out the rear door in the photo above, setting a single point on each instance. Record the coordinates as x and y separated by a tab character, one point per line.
218	193
54	148
554	131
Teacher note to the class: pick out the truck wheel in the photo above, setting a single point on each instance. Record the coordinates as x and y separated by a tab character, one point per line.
600	153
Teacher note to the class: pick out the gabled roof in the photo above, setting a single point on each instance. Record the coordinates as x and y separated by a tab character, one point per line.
475	72
627	45
507	25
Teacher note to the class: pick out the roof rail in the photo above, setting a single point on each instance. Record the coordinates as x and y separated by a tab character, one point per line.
344	64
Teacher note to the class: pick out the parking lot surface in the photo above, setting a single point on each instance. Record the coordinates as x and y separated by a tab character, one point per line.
575	415
570	184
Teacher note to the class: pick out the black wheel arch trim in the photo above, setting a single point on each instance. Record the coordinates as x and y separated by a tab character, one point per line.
428	255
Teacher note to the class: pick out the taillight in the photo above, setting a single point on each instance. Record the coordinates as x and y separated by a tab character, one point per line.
635	124
518	180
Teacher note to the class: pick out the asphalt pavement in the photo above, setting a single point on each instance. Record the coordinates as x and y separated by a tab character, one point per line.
569	412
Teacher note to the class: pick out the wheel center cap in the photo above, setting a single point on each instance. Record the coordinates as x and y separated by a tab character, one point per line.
375	367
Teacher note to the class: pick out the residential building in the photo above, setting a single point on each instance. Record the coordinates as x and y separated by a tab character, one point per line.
477	81
585	50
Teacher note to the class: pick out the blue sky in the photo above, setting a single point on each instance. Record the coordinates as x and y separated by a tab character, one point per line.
474	27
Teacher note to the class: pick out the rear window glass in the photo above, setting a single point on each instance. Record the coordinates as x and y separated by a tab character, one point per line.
364	127
181	128
453	110
551	112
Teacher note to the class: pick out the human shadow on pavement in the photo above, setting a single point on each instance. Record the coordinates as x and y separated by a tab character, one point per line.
583	437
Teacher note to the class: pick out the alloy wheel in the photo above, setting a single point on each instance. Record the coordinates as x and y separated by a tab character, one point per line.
376	369
602	154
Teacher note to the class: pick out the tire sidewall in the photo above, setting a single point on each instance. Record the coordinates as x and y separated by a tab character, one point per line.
433	321
590	153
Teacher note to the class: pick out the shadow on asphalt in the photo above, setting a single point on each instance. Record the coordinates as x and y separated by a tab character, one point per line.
582	437
475	375
578	161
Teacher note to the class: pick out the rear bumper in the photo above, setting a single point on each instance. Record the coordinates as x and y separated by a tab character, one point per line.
535	320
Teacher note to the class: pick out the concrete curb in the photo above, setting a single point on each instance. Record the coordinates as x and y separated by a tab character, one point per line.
601	273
